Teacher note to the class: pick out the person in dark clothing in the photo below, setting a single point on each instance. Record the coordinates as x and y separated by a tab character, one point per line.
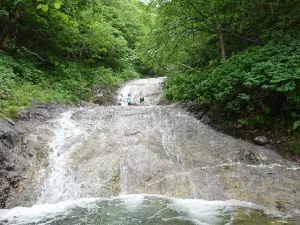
129	100
141	98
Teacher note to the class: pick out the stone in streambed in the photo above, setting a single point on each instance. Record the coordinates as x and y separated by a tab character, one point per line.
9	120
14	178
261	140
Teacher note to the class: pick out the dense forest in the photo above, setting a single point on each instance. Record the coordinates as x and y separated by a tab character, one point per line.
58	49
239	59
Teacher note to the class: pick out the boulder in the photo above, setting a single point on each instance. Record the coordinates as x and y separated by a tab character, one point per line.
261	140
14	178
9	120
8	136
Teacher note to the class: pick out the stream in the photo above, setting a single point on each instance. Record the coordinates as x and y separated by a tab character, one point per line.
156	165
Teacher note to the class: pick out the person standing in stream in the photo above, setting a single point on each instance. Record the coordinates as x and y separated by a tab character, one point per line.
129	100
141	98
120	99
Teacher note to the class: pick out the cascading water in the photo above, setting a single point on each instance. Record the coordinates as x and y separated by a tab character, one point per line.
103	159
57	185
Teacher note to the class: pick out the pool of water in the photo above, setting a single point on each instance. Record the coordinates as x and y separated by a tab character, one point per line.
142	209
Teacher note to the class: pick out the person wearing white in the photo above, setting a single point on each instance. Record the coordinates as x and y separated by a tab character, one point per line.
124	101
120	99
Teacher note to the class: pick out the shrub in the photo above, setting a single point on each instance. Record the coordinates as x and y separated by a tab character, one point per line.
261	85
21	82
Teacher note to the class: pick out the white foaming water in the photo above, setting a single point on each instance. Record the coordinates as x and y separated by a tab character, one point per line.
123	179
132	202
37	213
128	89
151	206
208	212
59	184
150	88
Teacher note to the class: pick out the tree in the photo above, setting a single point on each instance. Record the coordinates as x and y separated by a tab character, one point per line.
229	26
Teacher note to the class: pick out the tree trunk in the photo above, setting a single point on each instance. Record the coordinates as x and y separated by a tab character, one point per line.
224	30
271	7
3	36
73	53
81	50
222	46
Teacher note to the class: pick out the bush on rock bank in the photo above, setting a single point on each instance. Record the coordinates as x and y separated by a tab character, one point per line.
257	89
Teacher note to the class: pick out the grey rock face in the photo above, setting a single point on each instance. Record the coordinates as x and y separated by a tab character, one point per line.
17	155
4	190
9	120
10	138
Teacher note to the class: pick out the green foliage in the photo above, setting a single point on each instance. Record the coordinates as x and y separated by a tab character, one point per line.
296	125
295	145
54	49
187	33
239	58
101	32
21	83
259	86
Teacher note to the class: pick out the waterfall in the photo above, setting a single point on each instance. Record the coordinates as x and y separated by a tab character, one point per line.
150	164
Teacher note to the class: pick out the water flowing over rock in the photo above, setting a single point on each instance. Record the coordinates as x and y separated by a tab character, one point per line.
136	151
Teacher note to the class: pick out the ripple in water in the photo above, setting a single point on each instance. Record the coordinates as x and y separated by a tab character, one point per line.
141	209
